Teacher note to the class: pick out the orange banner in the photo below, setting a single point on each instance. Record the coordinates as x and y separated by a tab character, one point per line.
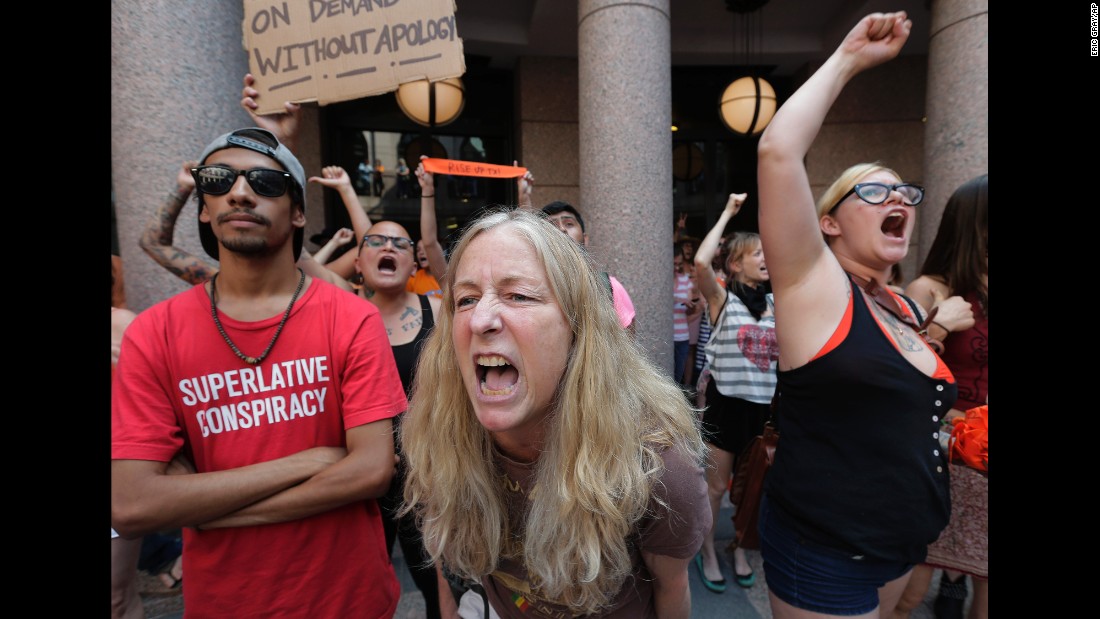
471	168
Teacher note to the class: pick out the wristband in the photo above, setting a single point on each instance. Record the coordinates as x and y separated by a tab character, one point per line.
945	329
424	196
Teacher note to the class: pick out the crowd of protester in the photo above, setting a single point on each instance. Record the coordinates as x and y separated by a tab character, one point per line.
293	415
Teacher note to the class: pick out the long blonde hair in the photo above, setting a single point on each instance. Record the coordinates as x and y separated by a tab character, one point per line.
615	413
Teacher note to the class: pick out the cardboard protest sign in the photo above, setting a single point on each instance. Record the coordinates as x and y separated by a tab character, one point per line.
336	50
471	168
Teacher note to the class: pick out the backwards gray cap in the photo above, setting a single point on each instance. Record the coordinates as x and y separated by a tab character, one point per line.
281	153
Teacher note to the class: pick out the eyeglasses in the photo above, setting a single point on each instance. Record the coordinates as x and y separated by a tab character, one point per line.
218	179
876	193
379	240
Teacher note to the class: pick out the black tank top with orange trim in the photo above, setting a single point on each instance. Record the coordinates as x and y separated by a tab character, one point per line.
859	465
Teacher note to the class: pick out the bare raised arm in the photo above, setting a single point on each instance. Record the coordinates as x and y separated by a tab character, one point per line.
336	178
811	290
788	221
704	256
342	236
524	186
429	229
156	240
284	124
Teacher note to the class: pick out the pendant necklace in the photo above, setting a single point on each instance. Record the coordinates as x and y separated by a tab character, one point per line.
278	331
888	302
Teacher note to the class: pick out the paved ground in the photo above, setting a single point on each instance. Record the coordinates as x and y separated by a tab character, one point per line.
736	602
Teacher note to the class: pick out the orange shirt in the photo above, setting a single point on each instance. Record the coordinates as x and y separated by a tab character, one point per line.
423	282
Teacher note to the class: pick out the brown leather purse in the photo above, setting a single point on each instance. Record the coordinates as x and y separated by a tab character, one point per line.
747	487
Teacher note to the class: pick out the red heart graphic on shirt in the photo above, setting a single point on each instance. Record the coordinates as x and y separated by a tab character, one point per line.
758	345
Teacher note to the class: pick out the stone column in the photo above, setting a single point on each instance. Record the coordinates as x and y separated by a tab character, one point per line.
625	101
176	75
546	130
956	138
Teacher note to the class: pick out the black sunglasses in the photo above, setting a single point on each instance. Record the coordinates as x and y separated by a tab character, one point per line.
218	179
378	240
876	193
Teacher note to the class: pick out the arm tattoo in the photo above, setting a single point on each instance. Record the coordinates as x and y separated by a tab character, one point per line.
157	242
162	226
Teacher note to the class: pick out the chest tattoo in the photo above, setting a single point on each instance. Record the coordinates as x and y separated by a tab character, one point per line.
411	319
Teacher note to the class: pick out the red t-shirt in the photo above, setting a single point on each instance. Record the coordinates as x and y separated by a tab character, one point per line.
179	386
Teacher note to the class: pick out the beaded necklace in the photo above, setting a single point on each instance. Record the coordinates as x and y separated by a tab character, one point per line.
278	331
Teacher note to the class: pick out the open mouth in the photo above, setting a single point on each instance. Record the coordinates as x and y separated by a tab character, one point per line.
894	226
495	375
387	264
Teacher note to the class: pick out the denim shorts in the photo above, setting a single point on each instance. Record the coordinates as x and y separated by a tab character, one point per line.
818	578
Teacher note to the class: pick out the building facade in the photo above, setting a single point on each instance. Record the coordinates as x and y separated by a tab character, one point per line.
593	126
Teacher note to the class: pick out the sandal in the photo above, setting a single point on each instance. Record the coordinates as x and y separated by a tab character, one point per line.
716	586
745	581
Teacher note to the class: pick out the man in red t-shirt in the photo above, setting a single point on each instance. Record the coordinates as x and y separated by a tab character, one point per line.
270	463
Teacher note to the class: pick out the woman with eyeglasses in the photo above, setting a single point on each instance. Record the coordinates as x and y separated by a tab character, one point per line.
958	264
386	260
859	484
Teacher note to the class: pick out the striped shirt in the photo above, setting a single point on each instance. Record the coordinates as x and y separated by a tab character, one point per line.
681	294
742	352
704	337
